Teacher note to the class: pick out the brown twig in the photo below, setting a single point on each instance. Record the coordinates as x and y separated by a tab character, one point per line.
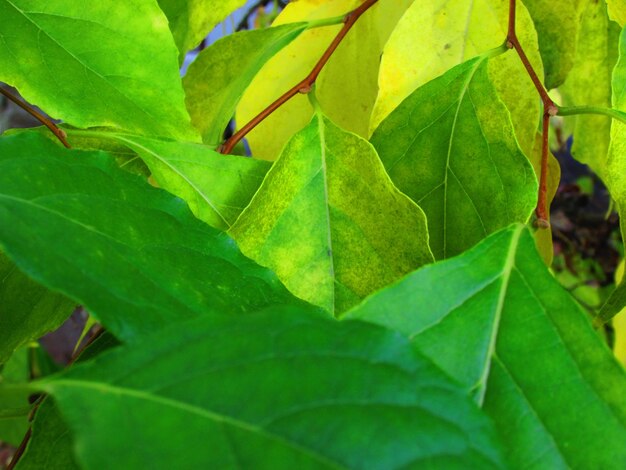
58	132
305	85
549	109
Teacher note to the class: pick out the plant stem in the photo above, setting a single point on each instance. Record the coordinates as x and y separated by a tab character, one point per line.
612	113
59	133
304	86
549	109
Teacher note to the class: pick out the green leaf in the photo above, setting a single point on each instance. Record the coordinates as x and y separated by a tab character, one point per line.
191	20
434	36
317	394
133	255
329	222
450	147
27	309
498	322
346	87
220	74
589	84
614	304
95	66
616	163
13	409
557	26
216	187
617	11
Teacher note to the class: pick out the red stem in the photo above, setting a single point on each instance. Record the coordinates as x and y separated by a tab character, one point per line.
543	216
59	133
304	86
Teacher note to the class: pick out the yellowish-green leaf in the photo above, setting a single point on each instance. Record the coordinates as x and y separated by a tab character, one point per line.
617	11
346	88
191	20
329	222
434	36
589	84
216	187
450	146
557	25
218	77
91	66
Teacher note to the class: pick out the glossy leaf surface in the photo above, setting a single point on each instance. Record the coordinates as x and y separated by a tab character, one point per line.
27	309
216	187
495	319
450	147
191	20
344	395
329	222
434	36
216	80
133	255
89	67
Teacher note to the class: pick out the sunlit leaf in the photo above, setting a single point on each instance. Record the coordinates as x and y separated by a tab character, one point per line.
450	147
329	222
496	320
92	67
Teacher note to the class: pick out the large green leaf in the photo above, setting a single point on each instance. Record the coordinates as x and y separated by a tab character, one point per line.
191	20
589	84
434	36
220	74
496	320
617	11
279	389
450	147
133	255
557	26
103	65
346	87
216	187
329	222
27	309
13	408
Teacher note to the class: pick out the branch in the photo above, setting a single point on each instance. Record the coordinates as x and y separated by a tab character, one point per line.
549	109
612	113
59	133
304	86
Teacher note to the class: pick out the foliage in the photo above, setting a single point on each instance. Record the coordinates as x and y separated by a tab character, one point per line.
368	290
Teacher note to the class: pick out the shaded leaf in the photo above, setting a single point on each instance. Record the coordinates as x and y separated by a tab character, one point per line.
216	187
133	255
191	20
589	84
216	80
90	67
500	323
329	222
346	87
13	409
335	392
557	26
27	309
432	37
450	147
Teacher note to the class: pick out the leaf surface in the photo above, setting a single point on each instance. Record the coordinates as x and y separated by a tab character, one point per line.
617	11
498	322
329	222
191	20
217	79
346	88
13	407
133	255
557	25
451	148
589	84
434	36
216	187
317	394
27	309
94	67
